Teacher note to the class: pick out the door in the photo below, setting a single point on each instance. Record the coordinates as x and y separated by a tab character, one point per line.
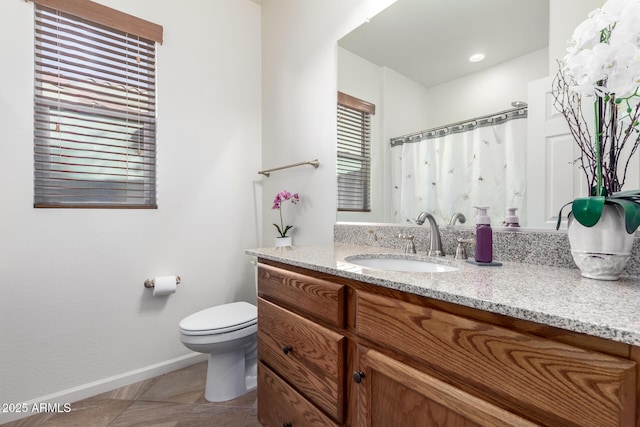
553	178
392	393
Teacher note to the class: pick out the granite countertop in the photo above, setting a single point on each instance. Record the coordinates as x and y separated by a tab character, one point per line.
552	296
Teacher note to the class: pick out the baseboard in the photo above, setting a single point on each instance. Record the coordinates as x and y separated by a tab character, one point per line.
84	391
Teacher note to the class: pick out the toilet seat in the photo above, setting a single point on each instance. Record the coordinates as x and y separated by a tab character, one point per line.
220	319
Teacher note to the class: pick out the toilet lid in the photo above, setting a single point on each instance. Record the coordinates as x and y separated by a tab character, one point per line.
220	319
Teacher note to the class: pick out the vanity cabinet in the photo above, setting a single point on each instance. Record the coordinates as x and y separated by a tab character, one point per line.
335	351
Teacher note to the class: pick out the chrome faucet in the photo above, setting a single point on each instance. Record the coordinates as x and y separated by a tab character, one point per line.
457	216
435	246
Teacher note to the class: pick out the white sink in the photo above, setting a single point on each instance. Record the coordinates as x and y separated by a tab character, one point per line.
398	263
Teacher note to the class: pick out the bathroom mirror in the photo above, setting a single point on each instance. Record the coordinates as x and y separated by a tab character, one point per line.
412	61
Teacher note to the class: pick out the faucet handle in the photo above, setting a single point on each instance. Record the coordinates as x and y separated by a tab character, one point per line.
411	247
461	250
372	237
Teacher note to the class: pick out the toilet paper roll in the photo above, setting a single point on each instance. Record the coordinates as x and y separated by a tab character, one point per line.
164	285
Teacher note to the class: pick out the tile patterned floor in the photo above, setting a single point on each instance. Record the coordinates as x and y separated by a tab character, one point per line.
175	399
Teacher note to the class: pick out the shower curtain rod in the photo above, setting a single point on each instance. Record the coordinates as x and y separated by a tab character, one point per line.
499	117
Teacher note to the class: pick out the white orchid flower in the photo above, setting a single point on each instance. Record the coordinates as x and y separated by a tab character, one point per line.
604	58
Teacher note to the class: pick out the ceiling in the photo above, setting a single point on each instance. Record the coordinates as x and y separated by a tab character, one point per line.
430	41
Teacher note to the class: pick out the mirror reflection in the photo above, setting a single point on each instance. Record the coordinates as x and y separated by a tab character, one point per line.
412	62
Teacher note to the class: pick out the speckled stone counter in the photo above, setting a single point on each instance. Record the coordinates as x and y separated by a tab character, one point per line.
541	247
550	295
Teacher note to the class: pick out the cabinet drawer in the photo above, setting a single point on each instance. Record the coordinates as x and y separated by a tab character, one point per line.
279	404
550	382
321	299
308	356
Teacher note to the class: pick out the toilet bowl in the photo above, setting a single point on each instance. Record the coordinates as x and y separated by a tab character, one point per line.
228	334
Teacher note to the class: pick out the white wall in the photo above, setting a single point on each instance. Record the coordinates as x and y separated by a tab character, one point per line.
487	91
73	309
299	48
406	105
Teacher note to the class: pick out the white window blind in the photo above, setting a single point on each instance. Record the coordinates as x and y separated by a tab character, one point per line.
94	114
354	153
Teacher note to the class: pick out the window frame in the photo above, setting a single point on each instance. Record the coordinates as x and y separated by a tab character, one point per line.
354	148
94	107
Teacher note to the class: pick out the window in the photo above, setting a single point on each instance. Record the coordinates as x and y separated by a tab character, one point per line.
94	107
354	153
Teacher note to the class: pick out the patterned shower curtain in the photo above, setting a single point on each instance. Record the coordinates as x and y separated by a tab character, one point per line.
454	170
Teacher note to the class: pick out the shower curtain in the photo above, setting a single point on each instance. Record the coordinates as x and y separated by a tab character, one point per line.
453	170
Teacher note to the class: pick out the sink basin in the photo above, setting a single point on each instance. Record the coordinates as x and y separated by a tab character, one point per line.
398	263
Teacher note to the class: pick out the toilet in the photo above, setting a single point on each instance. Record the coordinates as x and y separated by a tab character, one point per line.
228	333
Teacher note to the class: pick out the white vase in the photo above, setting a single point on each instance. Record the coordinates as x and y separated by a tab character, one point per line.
283	241
601	251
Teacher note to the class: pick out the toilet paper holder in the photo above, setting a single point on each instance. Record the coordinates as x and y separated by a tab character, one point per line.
150	283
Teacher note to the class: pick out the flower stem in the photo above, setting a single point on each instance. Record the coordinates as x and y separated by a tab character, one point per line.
281	222
597	105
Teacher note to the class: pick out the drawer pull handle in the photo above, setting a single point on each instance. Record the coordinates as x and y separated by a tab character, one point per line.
286	349
358	376
287	425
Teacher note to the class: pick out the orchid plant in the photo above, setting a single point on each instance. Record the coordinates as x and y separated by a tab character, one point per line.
282	197
603	65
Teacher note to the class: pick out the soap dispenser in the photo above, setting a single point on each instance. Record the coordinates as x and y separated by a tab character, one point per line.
484	235
511	220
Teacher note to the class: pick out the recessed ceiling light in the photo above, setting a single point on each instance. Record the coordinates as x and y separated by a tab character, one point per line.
476	58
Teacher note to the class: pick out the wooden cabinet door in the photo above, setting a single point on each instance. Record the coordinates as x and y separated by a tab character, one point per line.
391	393
552	383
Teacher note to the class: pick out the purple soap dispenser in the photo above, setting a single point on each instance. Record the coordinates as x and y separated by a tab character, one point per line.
484	235
511	220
